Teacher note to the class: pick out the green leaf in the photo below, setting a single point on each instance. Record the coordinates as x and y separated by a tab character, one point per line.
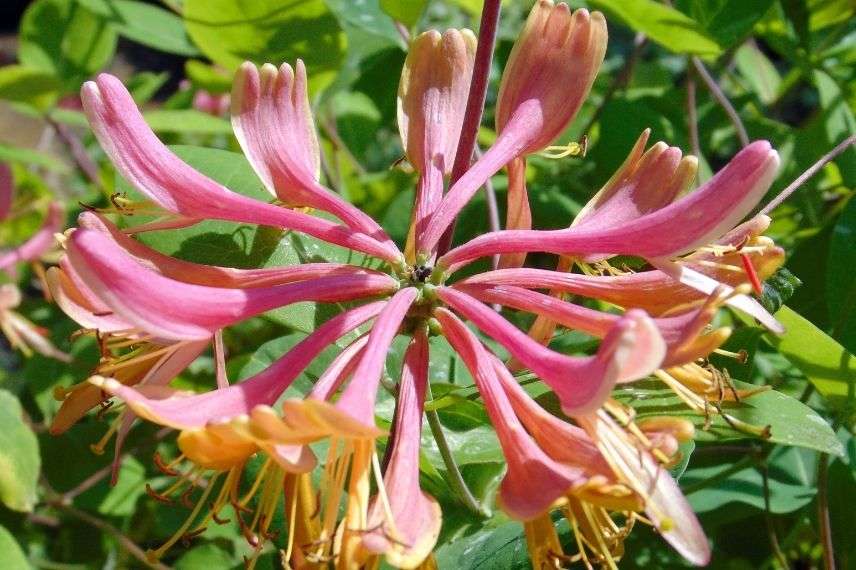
131	485
276	31
407	12
826	364
840	285
839	122
503	547
205	557
146	24
29	85
19	456
727	21
228	244
186	121
30	156
11	555
790	480
65	38
758	71
207	77
791	422
668	27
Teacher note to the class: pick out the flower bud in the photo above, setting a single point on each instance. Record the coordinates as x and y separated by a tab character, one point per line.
550	72
432	96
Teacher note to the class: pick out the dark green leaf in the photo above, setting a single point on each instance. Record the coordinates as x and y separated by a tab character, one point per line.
727	21
840	282
407	12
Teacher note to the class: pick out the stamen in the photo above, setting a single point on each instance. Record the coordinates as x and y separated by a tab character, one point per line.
154	555
98	448
751	273
570	149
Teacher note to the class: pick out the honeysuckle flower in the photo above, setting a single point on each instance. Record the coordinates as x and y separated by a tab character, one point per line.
556	49
594	464
432	97
20	331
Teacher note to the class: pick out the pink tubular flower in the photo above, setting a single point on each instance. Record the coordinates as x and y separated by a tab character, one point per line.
20	332
153	314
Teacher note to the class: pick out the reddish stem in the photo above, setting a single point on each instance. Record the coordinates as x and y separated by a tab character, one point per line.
475	102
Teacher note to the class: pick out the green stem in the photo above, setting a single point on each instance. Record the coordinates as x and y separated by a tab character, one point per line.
455	479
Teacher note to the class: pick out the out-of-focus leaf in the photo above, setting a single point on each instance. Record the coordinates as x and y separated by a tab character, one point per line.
825	13
29	85
11	555
790	480
65	38
205	557
146	24
367	15
232	31
791	422
668	27
207	77
726	21
824	362
30	156
839	123
143	86
186	121
758	71
407	12
840	282
19	456
131	485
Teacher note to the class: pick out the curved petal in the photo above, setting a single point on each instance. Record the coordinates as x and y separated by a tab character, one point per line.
273	123
529	467
407	539
211	275
633	349
665	505
694	220
682	334
172	309
548	76
159	174
196	411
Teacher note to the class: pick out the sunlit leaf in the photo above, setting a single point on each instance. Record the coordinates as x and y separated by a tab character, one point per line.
19	456
824	362
668	27
407	12
65	38
11	555
186	121
274	31
29	85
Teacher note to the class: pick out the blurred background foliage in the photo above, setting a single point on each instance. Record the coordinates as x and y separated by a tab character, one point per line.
785	66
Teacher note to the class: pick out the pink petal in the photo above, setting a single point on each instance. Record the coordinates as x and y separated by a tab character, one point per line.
533	481
273	123
79	302
210	275
358	399
7	190
156	172
632	350
518	214
680	333
416	517
172	309
697	219
263	389
39	243
665	505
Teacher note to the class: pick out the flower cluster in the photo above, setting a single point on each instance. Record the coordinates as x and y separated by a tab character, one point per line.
154	314
21	333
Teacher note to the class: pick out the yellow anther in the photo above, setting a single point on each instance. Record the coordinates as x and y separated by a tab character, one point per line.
571	149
